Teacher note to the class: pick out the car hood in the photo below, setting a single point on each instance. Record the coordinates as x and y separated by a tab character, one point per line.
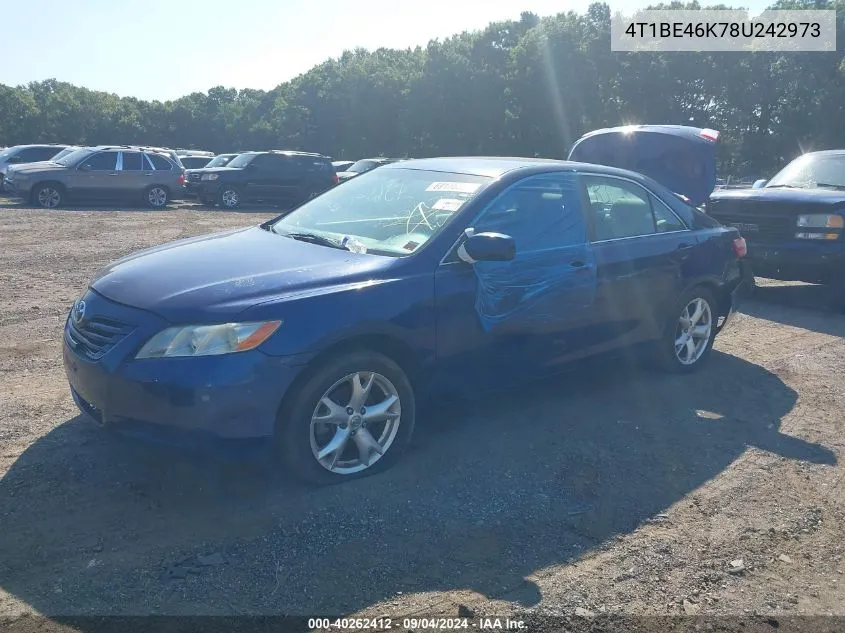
681	158
27	168
216	276
778	194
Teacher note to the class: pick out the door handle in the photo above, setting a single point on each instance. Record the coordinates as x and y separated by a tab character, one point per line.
579	266
150	174
113	174
683	251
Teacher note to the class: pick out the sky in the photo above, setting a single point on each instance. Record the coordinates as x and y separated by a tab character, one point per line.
164	49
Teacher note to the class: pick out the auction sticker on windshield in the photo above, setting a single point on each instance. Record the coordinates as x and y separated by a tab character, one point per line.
454	187
447	204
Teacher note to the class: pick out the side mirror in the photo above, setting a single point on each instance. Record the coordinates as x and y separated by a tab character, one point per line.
487	247
14	160
758	184
85	167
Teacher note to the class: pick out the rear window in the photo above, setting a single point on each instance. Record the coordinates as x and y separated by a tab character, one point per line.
160	163
316	164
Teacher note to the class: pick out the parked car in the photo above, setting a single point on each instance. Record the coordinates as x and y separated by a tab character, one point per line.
342	165
282	177
10	169
192	175
195	162
794	222
324	328
99	174
363	166
194	152
23	154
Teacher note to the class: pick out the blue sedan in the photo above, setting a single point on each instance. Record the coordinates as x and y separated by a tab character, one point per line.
325	329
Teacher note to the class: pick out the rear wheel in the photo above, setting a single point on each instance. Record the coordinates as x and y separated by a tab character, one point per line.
229	198
690	332
48	195
157	197
353	417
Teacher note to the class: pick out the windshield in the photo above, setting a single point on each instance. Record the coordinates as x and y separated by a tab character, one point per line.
363	165
220	161
811	171
7	153
242	161
390	211
74	157
63	153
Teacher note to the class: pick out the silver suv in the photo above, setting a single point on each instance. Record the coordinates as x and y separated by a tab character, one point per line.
101	174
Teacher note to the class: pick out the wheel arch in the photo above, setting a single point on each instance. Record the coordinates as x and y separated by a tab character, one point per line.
33	191
393	348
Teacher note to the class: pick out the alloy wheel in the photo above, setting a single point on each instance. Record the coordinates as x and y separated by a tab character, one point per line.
49	197
157	197
355	422
693	331
230	198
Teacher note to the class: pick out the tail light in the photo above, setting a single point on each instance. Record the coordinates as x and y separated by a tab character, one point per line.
740	247
182	178
710	135
335	179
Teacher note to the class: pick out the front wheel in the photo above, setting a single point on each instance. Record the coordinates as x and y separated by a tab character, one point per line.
48	196
354	417
229	198
690	332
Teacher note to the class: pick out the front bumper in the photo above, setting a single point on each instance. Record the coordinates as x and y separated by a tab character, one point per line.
812	262
228	396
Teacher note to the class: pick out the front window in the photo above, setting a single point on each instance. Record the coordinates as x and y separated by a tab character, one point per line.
243	160
74	157
812	171
388	211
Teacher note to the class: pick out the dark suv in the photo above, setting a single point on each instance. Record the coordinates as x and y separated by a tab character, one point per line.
285	178
99	174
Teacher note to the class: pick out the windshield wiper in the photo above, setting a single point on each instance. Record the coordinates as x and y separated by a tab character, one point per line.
782	187
830	186
313	238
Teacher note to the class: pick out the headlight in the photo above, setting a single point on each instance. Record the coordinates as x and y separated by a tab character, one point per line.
821	221
208	340
209	177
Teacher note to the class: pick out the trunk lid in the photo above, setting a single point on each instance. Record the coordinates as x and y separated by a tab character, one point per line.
679	157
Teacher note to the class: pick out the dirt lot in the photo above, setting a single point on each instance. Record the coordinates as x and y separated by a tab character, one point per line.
612	489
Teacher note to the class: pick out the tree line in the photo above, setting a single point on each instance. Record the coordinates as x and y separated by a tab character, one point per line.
527	87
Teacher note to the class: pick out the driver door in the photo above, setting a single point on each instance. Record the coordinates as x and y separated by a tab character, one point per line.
518	319
96	178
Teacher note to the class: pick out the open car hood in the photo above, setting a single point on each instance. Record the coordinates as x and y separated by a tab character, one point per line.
681	158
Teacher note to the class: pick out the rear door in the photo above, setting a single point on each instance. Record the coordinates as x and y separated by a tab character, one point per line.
640	248
134	176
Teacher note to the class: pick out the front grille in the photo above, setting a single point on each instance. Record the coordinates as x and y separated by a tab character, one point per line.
94	336
758	220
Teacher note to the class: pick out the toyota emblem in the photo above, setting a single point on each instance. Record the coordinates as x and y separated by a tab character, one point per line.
79	311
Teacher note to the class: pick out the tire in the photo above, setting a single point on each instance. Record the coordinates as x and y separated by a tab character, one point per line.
300	439
48	195
156	196
229	198
684	358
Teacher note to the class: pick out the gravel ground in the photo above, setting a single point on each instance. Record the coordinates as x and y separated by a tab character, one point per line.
608	490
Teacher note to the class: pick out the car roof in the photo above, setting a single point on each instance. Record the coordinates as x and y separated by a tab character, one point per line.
37	145
495	166
826	152
286	152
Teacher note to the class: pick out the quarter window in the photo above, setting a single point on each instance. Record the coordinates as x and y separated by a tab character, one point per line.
664	218
160	163
619	208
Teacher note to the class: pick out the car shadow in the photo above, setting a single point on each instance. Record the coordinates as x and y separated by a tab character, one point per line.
525	479
808	306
